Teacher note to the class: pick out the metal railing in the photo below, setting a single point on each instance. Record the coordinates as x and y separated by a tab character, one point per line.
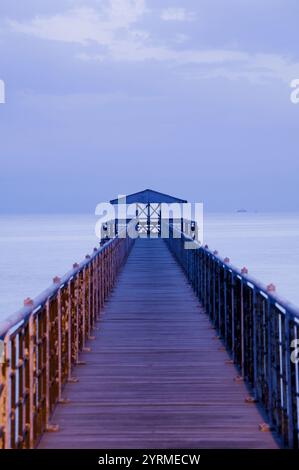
257	328
42	343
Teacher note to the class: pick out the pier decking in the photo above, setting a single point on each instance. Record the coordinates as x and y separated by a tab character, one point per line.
156	375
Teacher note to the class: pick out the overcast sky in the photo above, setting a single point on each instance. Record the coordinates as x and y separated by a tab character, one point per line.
107	97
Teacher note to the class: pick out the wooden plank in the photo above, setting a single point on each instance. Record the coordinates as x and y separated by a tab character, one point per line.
156	376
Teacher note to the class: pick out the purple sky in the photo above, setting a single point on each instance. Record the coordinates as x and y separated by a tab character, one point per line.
188	97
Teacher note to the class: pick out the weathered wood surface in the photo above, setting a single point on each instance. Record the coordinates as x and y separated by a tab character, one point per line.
157	376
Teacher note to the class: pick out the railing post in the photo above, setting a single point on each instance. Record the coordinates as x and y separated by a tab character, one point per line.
269	362
78	311
209	293
242	329
218	297
3	392
89	301
31	381
7	398
83	307
70	329
97	287
254	332
213	274
59	352
47	363
225	305
233	307
289	382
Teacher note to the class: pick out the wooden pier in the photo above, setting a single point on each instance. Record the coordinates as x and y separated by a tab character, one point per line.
156	375
152	341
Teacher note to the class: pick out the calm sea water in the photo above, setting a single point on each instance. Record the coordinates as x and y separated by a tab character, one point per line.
34	249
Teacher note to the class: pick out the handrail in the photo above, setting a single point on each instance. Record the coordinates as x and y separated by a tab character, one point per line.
21	314
43	340
256	327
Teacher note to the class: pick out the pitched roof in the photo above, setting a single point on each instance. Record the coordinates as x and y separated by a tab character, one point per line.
149	196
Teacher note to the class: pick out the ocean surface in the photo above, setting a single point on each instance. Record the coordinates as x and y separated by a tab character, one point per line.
35	248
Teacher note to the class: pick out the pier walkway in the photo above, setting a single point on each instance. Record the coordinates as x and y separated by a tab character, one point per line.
156	375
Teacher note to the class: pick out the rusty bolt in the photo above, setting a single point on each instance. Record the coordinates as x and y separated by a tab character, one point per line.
226	260
75	265
52	428
56	280
28	302
238	379
244	271
271	288
264	427
249	399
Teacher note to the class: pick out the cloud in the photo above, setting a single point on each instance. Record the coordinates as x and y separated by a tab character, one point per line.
85	24
180	38
115	27
130	51
257	69
177	14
